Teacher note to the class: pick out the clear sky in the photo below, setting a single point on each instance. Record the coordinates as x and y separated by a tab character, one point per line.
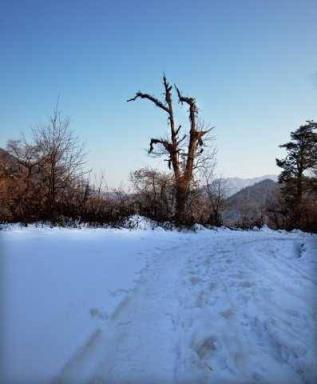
251	64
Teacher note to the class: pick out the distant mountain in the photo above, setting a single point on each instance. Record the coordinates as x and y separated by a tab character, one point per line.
250	202
235	184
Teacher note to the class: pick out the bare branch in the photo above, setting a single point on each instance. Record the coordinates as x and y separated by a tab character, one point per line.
154	100
163	142
178	129
191	101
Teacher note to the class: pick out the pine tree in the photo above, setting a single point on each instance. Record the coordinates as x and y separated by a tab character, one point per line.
297	176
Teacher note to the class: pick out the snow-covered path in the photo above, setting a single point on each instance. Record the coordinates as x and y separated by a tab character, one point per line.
212	307
138	343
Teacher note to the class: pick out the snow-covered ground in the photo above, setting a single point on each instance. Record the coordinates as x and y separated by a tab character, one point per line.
157	307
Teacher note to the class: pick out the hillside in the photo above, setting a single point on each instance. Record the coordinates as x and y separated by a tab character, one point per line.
250	202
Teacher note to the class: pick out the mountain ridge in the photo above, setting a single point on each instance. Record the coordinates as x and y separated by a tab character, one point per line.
232	185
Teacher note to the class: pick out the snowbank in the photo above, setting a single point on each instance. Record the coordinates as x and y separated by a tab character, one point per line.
140	222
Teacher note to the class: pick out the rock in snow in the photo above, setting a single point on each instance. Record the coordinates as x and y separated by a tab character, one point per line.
119	306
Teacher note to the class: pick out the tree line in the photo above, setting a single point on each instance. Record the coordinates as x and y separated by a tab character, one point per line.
44	178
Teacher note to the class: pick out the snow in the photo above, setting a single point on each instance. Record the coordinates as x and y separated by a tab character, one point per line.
154	306
140	222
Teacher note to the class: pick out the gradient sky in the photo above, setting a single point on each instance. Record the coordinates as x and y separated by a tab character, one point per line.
251	65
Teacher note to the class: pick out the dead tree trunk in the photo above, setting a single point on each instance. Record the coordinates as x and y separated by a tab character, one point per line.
180	158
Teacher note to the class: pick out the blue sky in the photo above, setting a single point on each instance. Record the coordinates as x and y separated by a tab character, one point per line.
251	65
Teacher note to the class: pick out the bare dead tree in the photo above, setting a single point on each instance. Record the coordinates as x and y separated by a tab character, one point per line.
181	158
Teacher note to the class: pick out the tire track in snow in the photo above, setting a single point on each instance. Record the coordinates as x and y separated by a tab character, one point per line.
134	342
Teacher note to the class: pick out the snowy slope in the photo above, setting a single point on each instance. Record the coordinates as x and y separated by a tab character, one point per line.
110	306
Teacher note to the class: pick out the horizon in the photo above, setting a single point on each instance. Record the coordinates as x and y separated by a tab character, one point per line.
253	75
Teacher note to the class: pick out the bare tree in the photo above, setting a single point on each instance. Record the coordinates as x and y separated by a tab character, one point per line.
154	193
62	161
213	188
25	162
181	158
